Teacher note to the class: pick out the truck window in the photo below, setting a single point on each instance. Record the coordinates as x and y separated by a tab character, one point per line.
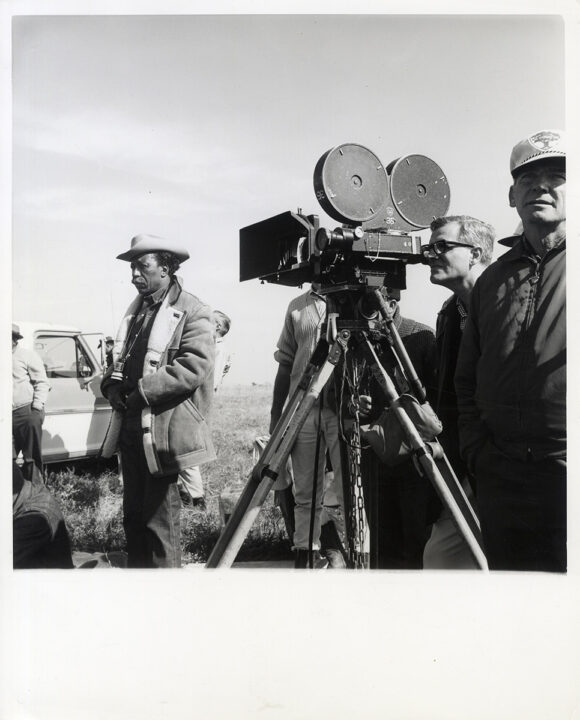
63	357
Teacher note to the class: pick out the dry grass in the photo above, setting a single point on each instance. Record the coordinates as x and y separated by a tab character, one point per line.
91	494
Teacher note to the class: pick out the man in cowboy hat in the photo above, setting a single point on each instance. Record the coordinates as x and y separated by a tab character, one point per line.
511	372
30	389
160	387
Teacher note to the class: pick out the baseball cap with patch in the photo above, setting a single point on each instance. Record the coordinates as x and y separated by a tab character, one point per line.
538	146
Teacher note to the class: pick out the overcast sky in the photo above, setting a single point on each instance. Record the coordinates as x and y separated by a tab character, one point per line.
194	126
191	127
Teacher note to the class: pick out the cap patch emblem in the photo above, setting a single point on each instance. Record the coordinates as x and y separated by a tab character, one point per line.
545	140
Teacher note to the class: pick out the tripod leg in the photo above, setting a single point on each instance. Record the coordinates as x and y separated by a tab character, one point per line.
401	352
273	459
440	474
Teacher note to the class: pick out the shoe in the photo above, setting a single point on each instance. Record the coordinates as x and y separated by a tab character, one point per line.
332	547
199	503
186	499
335	559
301	560
189	502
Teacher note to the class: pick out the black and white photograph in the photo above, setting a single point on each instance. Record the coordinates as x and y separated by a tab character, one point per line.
287	294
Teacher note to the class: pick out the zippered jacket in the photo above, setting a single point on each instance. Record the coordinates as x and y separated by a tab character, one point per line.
448	336
511	370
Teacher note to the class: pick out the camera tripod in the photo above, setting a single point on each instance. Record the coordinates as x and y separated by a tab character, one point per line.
343	335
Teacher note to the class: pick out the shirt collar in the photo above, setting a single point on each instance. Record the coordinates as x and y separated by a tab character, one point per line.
156	297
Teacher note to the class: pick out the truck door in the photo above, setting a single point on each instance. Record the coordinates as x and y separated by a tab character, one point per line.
77	415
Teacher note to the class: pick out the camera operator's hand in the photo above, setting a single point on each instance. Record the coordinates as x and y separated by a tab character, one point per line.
365	404
116	396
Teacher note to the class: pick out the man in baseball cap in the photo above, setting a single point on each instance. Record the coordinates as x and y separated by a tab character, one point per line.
160	386
108	347
511	371
538	146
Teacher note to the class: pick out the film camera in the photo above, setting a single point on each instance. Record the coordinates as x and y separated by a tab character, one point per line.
379	207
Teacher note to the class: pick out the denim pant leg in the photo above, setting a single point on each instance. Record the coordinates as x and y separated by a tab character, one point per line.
333	500
151	508
303	458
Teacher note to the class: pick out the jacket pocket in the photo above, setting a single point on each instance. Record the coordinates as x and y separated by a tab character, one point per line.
181	431
192	408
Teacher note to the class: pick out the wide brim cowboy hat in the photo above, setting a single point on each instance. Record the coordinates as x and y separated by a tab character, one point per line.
143	244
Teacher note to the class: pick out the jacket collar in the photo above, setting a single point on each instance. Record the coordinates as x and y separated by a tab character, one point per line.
509	241
520	248
174	290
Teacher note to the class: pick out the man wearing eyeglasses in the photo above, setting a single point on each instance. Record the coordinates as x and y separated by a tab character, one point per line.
511	372
459	250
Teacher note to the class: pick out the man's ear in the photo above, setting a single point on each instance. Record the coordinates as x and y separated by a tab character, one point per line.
476	253
511	197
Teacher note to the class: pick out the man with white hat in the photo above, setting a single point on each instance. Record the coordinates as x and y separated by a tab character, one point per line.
160	387
511	372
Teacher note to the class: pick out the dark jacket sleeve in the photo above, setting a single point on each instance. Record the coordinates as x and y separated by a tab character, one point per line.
107	382
419	342
473	434
189	364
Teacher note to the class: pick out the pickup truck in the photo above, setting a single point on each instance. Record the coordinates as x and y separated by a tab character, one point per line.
77	414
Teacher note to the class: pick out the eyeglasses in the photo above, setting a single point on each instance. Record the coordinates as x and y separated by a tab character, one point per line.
439	247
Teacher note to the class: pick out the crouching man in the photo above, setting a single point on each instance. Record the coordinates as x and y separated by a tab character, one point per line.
160	387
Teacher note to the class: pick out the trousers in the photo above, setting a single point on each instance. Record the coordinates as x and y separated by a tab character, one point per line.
151	507
399	504
27	437
303	465
446	549
522	510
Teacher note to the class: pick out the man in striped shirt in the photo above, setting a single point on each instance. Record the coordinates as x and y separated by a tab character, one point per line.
298	339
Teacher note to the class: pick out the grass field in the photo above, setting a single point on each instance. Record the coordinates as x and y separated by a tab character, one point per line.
91	494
